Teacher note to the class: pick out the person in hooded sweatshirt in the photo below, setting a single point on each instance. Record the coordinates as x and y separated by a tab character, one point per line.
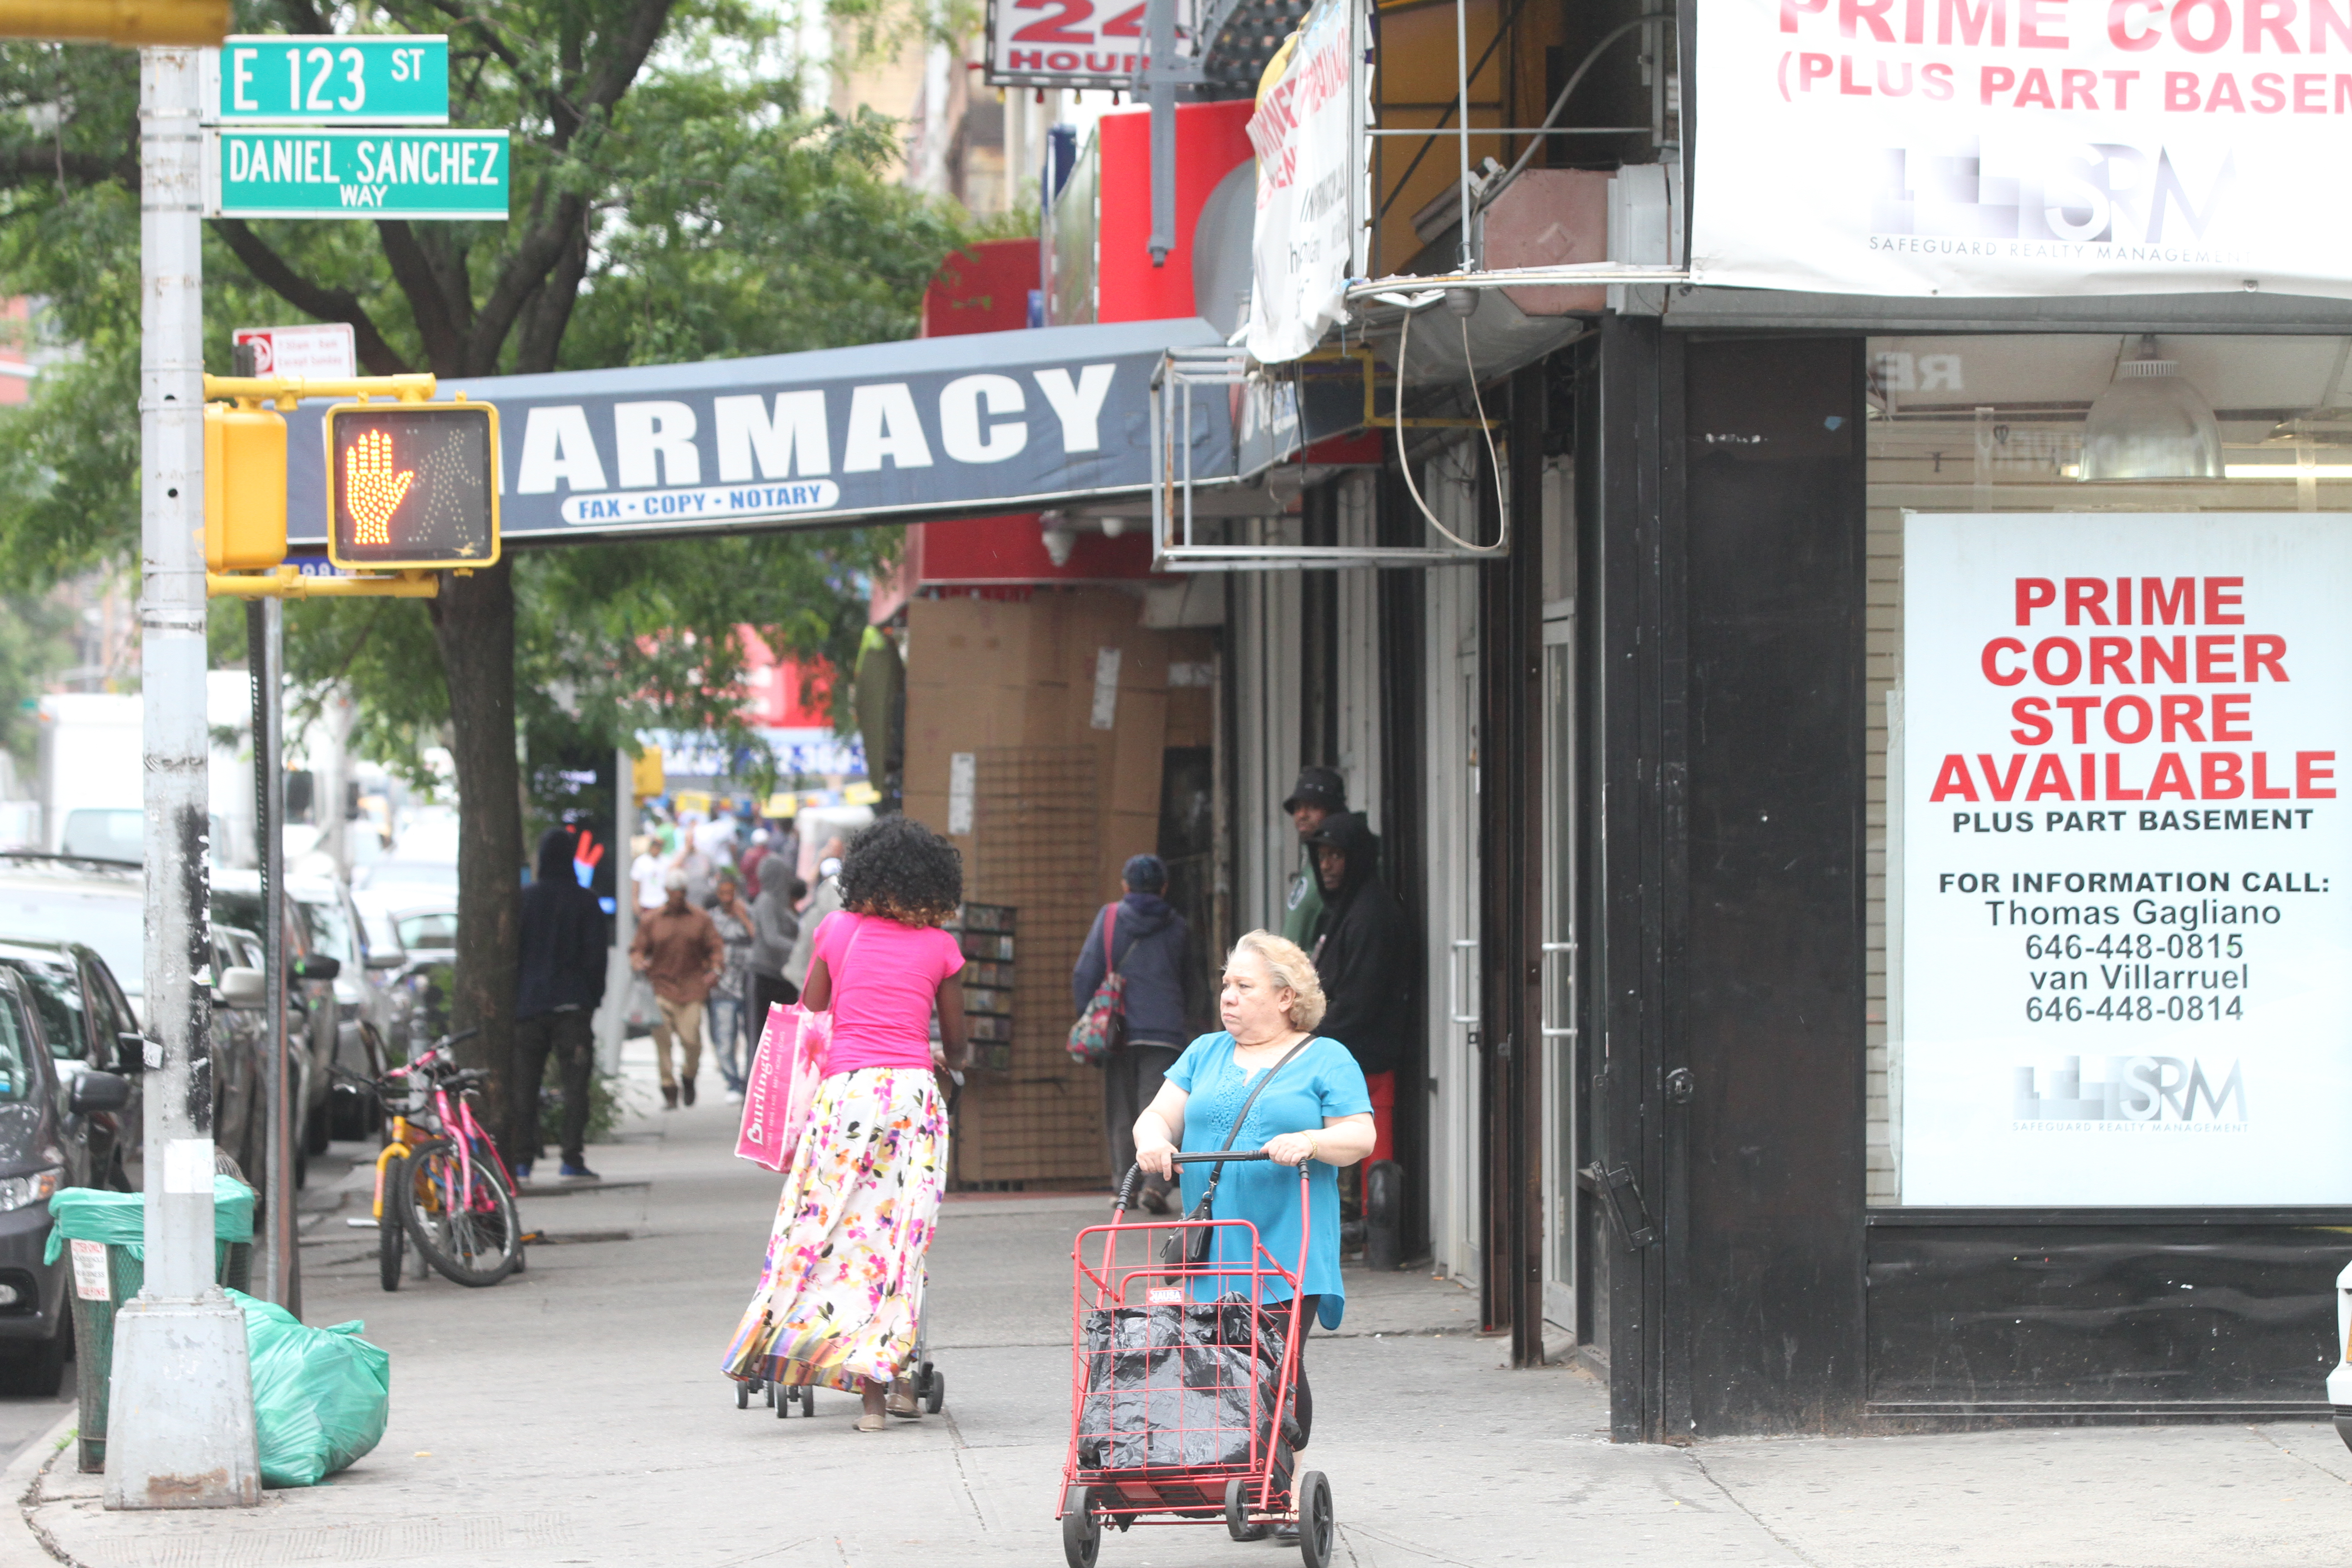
1150	945
1362	950
559	982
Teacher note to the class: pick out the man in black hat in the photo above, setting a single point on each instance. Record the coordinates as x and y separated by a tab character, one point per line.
1319	792
1362	950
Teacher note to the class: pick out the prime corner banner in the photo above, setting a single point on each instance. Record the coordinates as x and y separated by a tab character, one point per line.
1303	131
2023	147
2124	967
1002	421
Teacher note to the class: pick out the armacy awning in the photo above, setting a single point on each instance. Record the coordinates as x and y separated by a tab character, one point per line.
991	421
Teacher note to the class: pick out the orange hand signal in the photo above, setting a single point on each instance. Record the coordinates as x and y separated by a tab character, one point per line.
370	490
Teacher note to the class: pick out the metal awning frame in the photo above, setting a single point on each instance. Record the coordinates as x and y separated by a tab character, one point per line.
1175	547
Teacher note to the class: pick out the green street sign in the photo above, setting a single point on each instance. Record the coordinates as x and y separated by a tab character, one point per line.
287	80
346	174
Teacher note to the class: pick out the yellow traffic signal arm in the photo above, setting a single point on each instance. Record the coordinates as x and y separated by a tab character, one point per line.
133	24
286	391
293	583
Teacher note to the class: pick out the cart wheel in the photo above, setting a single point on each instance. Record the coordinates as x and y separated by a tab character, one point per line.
769	1388
784	1402
808	1399
936	1396
1081	1531
742	1396
1238	1519
1315	1526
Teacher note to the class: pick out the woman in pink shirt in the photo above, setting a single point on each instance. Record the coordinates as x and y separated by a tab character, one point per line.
843	1291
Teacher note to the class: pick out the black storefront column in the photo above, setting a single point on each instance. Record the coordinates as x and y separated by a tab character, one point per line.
1632	712
1510	888
1724	603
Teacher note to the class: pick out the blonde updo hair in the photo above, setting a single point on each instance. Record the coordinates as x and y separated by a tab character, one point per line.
1290	969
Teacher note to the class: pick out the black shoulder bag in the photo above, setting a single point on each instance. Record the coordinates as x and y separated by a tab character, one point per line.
1192	1246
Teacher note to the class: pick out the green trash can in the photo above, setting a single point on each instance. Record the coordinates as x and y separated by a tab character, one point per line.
108	1236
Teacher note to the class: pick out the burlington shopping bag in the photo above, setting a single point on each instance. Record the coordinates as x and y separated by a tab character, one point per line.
1102	1027
780	1090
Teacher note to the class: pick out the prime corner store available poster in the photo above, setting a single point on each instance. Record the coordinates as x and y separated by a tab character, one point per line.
2126	941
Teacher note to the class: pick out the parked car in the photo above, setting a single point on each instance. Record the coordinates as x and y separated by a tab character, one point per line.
46	1121
344	984
86	1027
422	927
77	929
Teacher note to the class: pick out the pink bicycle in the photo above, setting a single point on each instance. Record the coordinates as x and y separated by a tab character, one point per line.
439	1181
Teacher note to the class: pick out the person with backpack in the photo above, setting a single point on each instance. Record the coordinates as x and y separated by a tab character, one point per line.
1149	944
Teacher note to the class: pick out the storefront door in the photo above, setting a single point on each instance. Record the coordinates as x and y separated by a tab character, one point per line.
1561	1148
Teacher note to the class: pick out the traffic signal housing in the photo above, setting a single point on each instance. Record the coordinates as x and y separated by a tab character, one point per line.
412	485
245	489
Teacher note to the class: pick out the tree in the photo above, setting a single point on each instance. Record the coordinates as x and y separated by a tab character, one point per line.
666	208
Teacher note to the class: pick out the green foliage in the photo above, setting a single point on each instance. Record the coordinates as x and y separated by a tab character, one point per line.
604	1109
673	202
32	643
609	639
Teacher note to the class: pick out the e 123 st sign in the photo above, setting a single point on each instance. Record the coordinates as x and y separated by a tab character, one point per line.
354	80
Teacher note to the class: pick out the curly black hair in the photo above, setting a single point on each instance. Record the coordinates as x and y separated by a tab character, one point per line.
903	871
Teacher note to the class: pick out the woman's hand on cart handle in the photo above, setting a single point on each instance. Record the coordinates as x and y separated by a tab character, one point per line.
1292	1148
1158	1158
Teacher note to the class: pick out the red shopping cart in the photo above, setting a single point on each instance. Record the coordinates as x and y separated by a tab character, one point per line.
1182	1393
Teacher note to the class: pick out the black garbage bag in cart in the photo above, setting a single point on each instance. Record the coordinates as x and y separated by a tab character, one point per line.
1176	1383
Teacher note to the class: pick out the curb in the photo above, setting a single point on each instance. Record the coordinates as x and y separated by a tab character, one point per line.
20	1484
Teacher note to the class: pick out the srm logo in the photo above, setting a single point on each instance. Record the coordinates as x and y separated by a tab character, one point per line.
2136	1089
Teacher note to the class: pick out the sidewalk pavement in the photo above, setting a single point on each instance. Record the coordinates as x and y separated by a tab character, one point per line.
575	1414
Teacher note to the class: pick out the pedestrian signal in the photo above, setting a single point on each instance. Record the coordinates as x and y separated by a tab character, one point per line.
412	485
245	489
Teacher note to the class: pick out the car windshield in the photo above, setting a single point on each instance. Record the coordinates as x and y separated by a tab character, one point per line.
330	933
104	834
107	921
413	873
16	1058
436	929
57	996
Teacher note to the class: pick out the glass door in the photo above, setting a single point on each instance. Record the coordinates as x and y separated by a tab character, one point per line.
1560	1151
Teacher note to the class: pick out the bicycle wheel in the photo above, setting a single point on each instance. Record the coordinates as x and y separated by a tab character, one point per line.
388	1233
462	1222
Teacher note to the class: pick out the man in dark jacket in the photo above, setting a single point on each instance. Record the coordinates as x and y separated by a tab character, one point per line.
1150	945
559	982
1363	950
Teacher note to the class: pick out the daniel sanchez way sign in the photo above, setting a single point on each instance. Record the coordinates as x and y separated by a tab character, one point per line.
342	173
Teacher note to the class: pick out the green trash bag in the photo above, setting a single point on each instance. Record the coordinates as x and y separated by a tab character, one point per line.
119	1219
321	1396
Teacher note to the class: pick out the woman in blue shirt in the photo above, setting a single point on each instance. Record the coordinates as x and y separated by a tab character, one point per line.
1315	1108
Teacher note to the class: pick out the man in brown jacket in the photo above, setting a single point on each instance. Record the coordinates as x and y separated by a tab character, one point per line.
679	950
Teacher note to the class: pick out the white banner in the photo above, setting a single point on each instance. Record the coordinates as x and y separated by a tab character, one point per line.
1304	133
2022	147
2124	970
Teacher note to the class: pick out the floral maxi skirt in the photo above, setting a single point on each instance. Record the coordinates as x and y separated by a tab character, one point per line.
843	1291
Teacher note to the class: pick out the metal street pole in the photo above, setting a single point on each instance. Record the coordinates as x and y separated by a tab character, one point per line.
280	1258
180	1431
